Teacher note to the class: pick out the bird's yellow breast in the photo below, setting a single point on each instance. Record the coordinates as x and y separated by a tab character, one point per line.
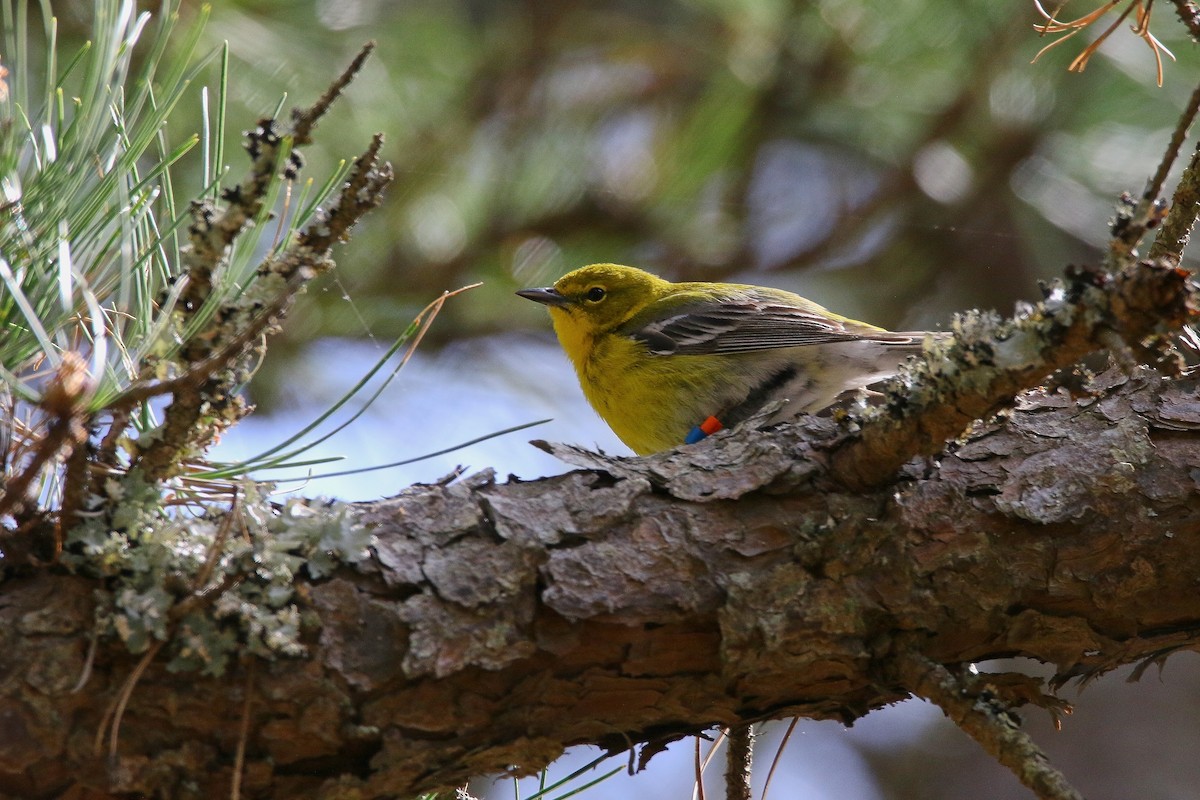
650	402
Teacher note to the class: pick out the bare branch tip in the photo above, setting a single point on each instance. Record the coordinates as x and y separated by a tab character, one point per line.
305	119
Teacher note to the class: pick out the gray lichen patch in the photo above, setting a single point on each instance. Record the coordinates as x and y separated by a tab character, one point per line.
212	585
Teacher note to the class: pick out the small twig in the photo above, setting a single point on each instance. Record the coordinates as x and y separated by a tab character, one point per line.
1081	61
88	662
698	789
239	757
117	711
1154	188
1176	228
63	401
201	371
218	543
986	721
778	755
298	265
362	192
1142	30
63	432
1134	219
75	488
1053	25
304	120
106	453
739	759
1016	689
210	234
179	420
1072	27
702	763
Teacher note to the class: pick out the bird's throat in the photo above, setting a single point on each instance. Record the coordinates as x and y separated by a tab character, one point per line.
575	339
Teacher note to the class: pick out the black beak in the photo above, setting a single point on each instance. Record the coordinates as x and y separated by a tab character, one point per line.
548	296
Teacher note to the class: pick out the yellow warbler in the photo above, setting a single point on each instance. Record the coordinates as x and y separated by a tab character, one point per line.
669	363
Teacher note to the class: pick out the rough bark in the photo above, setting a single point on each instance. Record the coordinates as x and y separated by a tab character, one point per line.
635	601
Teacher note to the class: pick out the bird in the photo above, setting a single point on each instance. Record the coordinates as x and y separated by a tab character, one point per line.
667	364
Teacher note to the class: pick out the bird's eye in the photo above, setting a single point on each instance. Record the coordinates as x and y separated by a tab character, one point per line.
595	294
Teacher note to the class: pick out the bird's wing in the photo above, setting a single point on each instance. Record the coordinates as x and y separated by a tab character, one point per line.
746	323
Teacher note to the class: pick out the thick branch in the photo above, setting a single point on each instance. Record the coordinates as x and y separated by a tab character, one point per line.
645	599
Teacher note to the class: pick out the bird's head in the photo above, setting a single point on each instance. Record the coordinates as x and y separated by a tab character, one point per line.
599	297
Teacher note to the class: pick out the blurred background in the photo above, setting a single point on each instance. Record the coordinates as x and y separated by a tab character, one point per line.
895	160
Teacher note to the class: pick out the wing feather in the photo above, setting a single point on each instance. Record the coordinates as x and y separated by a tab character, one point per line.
745	323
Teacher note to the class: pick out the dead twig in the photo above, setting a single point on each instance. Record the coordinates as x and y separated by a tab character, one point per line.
204	401
75	487
201	371
362	192
1141	28
116	710
63	401
304	120
778	755
985	720
1176	228
239	756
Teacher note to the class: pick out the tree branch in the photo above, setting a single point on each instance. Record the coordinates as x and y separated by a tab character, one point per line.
204	400
646	599
991	360
988	722
1189	16
1176	229
738	762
